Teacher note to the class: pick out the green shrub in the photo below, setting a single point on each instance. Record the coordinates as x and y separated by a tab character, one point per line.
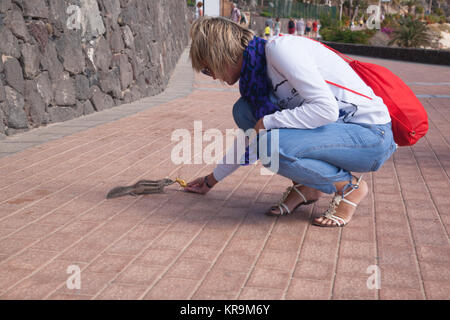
346	36
327	21
266	14
419	10
439	12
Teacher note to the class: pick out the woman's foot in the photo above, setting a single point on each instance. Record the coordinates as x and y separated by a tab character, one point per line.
294	197
340	211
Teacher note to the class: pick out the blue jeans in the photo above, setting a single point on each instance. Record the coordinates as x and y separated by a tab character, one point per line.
320	157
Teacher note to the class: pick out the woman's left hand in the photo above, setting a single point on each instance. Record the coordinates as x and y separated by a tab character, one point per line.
259	125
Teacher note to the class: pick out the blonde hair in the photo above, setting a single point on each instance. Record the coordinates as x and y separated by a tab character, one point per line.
217	43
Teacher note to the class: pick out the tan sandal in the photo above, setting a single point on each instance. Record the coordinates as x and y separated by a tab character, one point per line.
331	211
284	210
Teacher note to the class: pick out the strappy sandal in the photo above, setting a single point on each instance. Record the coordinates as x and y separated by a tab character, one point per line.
330	213
283	207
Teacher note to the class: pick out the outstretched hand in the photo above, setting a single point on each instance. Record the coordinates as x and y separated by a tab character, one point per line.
199	185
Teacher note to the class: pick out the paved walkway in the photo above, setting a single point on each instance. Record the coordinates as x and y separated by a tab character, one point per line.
54	215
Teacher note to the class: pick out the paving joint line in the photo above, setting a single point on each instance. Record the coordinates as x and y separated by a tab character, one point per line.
299	251
374	210
430	194
410	233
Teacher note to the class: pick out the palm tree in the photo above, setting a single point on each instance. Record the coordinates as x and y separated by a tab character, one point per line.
411	33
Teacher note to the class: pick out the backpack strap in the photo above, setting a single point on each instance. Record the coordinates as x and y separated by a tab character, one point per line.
348	60
343	56
353	91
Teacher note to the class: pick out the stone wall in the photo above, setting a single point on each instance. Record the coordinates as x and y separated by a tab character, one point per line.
61	59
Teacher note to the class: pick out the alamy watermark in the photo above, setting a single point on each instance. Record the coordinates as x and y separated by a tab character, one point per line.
374	280
244	147
374	20
75	17
74	280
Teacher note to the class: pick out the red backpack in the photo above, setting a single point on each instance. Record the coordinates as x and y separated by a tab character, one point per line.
409	118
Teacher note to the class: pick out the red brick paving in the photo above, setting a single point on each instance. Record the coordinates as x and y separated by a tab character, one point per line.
53	214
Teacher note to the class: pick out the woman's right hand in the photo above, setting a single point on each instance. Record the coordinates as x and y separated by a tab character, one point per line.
199	186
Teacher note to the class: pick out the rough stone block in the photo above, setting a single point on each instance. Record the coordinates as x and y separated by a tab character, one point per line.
128	38
116	41
102	54
112	8
39	31
51	63
34	103
44	87
2	92
137	68
82	87
14	20
59	114
57	14
31	59
88	108
2	120
16	117
35	8
5	5
126	70
100	100
110	82
69	49
13	73
65	92
8	43
92	25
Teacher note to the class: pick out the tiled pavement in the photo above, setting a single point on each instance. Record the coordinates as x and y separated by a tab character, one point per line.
53	211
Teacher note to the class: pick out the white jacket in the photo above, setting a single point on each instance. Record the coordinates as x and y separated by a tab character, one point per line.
298	68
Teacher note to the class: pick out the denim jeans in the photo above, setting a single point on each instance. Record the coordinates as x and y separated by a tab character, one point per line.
320	157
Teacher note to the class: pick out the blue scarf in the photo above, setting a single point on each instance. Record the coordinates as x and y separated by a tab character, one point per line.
254	84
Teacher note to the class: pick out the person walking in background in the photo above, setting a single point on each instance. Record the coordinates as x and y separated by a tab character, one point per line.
300	27
308	28
291	26
318	36
277	27
314	29
199	10
235	14
268	23
244	19
267	32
